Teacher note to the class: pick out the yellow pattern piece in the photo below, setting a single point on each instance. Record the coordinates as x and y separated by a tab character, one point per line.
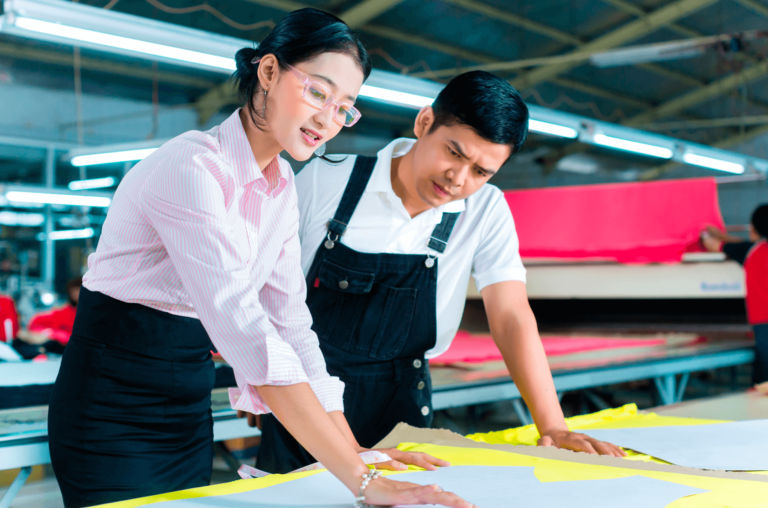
617	418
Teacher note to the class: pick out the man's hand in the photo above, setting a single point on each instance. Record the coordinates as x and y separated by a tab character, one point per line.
253	420
579	443
400	459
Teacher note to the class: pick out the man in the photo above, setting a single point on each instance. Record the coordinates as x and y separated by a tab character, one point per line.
753	255
387	275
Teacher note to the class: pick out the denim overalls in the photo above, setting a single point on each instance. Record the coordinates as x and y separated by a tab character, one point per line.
375	317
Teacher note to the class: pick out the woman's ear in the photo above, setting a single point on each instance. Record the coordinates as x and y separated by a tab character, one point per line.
268	71
424	121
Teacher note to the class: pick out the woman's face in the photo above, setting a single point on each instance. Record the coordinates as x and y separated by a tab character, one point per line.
298	126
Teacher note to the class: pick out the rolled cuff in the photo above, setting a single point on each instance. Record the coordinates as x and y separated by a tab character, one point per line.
496	276
329	391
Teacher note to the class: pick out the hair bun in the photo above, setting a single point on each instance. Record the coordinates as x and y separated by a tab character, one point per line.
244	61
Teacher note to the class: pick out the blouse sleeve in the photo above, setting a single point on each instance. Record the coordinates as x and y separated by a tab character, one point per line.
186	205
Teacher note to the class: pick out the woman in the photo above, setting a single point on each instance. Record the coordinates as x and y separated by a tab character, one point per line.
200	246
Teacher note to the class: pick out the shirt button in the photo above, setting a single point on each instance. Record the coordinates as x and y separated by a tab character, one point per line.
421	385
425	410
343	284
417	363
252	234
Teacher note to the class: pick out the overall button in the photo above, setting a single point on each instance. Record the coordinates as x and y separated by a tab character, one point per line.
417	363
425	410
343	284
421	385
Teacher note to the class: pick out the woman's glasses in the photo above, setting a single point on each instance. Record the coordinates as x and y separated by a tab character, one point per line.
319	96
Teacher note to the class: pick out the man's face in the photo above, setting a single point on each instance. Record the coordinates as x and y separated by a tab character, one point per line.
452	162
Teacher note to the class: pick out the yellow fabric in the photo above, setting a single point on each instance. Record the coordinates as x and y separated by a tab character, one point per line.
617	418
722	492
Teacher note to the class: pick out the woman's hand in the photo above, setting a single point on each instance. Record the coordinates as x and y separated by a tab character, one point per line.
401	460
386	492
579	443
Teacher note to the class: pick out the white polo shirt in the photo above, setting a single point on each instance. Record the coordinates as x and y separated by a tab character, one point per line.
483	243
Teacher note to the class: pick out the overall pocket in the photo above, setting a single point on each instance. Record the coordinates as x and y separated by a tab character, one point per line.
354	313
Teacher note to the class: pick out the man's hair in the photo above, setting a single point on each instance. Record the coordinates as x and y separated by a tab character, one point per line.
487	104
760	220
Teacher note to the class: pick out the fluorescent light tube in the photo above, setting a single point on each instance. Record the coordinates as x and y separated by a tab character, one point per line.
552	129
94	183
633	146
712	163
386	95
124	43
21	219
111	157
68	234
57	199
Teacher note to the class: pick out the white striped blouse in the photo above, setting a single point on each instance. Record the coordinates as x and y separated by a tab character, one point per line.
198	230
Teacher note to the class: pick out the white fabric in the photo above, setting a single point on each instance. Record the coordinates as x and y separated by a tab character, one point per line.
483	243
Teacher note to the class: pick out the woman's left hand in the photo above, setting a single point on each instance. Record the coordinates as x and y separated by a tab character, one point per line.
401	460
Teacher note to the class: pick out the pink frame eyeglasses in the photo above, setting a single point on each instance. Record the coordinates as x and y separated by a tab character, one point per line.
321	97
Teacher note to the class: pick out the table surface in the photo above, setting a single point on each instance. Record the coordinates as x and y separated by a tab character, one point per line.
677	346
751	405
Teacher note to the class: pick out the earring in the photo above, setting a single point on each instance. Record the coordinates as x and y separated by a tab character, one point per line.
264	107
320	151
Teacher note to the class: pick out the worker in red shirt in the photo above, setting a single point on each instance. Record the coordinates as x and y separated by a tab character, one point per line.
57	324
753	255
9	319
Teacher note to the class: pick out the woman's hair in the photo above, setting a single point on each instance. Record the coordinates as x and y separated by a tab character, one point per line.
300	36
485	103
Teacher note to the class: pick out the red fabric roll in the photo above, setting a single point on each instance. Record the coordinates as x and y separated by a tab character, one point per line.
649	222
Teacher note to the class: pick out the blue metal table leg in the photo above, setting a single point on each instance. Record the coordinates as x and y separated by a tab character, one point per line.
522	411
15	487
665	385
681	386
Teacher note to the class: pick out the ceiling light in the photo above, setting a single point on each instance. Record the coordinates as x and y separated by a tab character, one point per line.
395	97
111	157
86	26
68	234
94	183
80	35
633	146
712	163
58	198
21	219
552	129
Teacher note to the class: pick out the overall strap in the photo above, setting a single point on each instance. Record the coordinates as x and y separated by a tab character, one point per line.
442	232
361	173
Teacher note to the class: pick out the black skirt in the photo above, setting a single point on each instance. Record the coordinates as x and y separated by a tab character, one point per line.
130	413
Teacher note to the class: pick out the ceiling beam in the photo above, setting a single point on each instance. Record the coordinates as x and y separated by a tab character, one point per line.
754	7
601	92
635	10
633	30
515	20
106	66
431	44
366	11
700	95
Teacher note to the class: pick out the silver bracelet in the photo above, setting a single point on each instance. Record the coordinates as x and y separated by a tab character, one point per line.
367	477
